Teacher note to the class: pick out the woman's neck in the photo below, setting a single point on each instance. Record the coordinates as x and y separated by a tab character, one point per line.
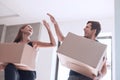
25	38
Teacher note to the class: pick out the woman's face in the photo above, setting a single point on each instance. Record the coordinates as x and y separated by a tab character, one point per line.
27	30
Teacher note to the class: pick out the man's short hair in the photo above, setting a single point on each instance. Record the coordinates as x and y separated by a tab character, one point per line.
95	25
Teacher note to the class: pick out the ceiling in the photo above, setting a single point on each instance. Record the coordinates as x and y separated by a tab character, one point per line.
19	11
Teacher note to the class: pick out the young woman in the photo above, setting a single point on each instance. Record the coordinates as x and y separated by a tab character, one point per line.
18	72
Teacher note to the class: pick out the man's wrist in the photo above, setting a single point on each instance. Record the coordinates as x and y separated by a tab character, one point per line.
55	23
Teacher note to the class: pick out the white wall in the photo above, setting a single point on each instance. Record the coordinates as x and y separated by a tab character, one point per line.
117	39
45	63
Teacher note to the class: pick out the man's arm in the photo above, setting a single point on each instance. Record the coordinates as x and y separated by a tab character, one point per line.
57	29
102	72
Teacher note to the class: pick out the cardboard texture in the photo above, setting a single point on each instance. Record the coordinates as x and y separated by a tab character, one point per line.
82	55
2	75
22	54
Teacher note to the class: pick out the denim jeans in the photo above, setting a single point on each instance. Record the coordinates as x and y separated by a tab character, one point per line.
12	73
73	77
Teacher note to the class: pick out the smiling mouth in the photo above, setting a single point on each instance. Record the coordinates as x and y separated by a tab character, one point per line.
30	30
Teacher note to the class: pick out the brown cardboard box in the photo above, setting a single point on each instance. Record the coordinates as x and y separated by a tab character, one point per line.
82	55
22	54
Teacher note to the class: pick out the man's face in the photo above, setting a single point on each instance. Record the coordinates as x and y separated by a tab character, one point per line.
88	33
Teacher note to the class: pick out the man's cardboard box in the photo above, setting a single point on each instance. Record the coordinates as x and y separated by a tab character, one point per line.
22	54
82	55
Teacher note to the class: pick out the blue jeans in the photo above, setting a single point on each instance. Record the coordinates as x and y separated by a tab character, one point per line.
73	77
12	73
77	76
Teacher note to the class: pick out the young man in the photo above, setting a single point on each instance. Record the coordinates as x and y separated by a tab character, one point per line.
91	31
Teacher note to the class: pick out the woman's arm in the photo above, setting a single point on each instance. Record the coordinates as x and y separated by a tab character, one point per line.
57	29
2	66
45	44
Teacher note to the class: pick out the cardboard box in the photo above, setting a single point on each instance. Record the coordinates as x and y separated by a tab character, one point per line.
22	54
82	55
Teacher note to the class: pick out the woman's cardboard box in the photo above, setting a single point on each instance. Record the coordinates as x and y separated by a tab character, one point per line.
21	54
